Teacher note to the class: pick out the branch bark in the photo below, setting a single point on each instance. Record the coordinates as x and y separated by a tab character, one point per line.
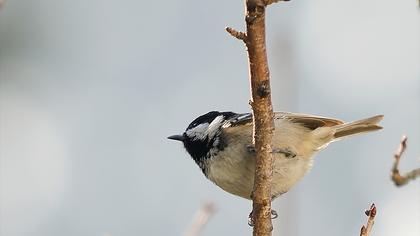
399	179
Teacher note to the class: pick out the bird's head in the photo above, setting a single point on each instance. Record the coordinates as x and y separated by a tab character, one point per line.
203	135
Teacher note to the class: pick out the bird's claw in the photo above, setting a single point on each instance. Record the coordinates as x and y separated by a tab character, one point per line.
251	219
250	148
285	151
274	215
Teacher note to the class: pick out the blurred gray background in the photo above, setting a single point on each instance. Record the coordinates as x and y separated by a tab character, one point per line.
90	89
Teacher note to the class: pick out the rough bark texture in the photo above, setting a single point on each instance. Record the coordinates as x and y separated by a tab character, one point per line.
262	115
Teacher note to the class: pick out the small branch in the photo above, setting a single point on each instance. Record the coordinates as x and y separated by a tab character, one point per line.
399	179
371	213
237	34
201	218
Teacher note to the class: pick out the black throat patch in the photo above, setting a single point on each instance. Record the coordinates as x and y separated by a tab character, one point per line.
203	149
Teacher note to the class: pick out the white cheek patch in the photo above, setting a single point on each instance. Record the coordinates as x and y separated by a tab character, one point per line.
198	132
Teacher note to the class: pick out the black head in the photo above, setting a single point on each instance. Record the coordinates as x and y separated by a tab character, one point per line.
202	137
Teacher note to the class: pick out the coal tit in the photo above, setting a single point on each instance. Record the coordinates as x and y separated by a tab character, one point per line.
221	145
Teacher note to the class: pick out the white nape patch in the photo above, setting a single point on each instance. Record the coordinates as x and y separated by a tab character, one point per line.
198	132
206	130
215	126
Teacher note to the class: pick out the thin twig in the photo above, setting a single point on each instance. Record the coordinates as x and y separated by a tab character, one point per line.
237	34
371	213
201	218
399	179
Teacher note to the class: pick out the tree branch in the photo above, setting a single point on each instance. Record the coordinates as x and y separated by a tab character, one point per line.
371	213
399	179
262	116
262	111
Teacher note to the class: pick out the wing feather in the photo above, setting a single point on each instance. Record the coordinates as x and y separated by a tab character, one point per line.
309	121
241	119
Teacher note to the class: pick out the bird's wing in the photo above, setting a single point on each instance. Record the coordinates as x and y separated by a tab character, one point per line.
241	119
309	121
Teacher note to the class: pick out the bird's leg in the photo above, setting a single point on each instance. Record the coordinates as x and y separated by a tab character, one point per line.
251	149
286	151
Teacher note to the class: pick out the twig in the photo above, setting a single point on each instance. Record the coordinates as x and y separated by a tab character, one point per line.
201	218
237	34
399	179
371	213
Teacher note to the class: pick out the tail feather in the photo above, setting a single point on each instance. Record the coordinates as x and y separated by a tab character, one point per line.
360	126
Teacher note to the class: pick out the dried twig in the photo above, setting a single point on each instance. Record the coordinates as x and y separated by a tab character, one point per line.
237	34
399	179
371	213
201	218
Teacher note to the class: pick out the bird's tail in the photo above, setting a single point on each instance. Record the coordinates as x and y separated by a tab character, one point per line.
356	127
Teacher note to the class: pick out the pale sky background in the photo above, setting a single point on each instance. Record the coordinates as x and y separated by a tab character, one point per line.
90	89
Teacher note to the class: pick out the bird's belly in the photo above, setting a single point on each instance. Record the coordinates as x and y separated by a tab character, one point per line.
235	174
287	172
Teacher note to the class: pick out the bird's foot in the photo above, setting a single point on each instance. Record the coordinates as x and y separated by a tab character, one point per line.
286	151
274	215
251	149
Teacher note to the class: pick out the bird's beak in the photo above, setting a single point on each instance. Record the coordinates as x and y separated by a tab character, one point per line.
177	137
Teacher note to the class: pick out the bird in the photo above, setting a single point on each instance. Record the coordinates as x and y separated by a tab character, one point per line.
221	144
